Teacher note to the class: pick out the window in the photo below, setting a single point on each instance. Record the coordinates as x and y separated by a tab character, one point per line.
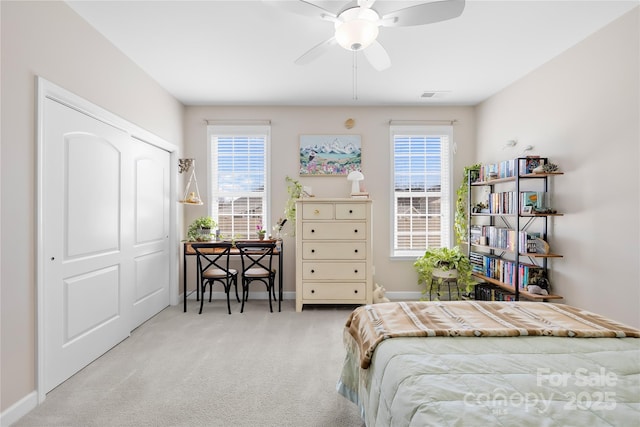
421	197
239	179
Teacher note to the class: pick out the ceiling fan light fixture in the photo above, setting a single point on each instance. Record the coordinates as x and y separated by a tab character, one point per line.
358	28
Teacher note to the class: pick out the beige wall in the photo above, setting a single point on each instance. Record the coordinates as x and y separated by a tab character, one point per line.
372	123
48	39
582	111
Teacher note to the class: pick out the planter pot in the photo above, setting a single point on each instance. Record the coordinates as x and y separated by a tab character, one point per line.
445	274
204	234
260	236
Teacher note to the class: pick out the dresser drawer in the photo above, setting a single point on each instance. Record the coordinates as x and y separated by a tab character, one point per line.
337	251
334	291
317	211
351	211
334	270
334	230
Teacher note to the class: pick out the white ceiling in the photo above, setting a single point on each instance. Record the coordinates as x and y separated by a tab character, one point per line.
243	52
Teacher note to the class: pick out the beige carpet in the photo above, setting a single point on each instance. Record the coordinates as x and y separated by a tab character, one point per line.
213	369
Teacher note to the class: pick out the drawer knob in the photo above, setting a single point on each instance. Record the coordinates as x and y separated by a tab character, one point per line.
356	251
316	211
313	251
313	231
313	291
313	271
355	271
350	211
355	292
355	231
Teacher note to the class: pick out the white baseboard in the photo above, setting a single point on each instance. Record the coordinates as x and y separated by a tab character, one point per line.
19	409
290	295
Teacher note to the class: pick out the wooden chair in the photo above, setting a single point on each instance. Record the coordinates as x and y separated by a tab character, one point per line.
213	266
257	261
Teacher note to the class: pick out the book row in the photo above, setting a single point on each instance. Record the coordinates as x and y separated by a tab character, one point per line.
503	270
503	238
489	292
507	168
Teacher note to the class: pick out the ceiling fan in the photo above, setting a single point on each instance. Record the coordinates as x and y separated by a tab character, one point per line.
357	25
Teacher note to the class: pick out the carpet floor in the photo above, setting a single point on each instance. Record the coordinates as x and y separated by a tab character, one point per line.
183	369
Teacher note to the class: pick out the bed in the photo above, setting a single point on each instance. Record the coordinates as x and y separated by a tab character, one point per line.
484	363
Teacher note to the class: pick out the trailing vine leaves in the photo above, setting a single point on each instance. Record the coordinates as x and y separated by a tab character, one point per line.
294	190
462	199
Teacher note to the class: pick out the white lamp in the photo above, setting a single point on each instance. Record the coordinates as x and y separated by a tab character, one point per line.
357	29
355	177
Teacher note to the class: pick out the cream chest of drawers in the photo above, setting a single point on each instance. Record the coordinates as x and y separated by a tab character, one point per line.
333	252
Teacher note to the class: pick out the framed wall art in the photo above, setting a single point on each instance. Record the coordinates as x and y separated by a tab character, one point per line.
330	155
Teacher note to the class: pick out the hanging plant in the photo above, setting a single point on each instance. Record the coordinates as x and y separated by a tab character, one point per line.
294	190
461	223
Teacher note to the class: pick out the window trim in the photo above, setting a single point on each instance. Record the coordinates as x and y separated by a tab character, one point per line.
447	185
241	130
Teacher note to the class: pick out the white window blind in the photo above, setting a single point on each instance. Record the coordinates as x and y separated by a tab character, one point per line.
239	177
421	178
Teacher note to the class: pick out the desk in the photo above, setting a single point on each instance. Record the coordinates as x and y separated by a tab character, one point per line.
187	250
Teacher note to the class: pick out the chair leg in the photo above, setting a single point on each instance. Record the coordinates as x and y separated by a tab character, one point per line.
202	286
235	285
269	289
227	289
245	292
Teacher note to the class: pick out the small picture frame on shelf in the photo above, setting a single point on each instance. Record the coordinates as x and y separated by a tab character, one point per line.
527	209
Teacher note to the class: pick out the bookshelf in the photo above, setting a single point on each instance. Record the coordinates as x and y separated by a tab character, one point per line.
508	224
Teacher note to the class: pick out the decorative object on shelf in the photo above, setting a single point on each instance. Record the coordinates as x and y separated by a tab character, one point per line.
471	174
532	163
550	168
200	229
538	283
438	262
355	177
190	197
378	294
329	155
542	247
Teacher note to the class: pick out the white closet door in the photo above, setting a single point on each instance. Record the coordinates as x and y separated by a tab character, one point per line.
88	238
151	244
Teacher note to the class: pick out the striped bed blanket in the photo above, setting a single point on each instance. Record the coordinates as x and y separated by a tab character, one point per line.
371	324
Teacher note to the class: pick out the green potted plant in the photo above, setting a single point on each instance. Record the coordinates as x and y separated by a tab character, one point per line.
200	229
461	224
441	264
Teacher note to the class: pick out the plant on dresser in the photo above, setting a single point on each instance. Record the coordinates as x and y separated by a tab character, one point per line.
333	251
507	237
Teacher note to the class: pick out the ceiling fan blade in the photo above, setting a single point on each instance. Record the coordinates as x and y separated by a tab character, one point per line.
426	13
366	3
302	7
316	51
377	56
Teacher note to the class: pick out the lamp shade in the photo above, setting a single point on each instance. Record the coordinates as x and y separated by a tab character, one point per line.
358	29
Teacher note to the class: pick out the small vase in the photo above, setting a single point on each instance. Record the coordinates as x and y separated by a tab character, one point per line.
260	236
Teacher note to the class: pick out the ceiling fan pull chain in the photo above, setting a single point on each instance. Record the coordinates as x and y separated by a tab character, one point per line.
355	75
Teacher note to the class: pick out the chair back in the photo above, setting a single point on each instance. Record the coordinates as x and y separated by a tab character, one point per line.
257	255
213	255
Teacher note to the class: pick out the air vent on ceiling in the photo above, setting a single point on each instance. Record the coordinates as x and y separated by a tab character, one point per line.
430	94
